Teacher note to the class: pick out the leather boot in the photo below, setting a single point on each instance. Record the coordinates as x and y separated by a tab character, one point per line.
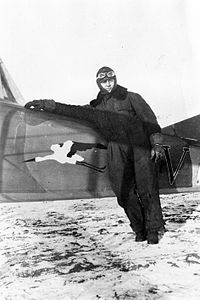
140	236
152	237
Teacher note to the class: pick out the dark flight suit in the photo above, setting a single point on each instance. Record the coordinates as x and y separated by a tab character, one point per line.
132	172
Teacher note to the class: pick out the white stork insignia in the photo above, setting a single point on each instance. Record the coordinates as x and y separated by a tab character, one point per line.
66	153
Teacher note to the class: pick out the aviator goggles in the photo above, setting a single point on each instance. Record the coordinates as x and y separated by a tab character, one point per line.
106	74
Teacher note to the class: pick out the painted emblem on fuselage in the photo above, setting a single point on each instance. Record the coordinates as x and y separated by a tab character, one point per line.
172	174
66	153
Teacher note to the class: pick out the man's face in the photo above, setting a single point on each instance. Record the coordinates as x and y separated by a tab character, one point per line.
108	84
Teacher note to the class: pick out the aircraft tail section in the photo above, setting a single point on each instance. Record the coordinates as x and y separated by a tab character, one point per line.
8	89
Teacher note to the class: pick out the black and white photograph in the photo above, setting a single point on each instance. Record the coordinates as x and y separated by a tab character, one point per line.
99	150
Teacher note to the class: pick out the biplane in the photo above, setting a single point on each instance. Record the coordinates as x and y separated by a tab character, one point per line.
46	157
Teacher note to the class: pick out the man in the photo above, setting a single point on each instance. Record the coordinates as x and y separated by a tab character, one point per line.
134	145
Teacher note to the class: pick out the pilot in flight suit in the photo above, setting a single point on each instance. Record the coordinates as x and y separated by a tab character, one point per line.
134	145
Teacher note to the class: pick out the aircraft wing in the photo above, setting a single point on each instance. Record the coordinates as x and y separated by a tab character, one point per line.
189	129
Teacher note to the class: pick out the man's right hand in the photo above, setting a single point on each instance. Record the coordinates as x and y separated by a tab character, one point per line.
157	152
48	105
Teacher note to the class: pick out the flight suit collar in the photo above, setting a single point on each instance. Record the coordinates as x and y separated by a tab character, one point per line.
119	93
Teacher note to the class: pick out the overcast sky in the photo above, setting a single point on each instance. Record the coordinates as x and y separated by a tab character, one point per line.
53	49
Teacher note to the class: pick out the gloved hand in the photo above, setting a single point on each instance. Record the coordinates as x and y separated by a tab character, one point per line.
46	104
157	152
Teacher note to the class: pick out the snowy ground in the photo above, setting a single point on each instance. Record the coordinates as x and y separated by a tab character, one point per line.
85	250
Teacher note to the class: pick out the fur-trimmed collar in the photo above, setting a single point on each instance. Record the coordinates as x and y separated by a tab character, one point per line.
119	93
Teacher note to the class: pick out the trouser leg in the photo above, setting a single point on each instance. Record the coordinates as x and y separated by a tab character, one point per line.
147	186
135	212
121	173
